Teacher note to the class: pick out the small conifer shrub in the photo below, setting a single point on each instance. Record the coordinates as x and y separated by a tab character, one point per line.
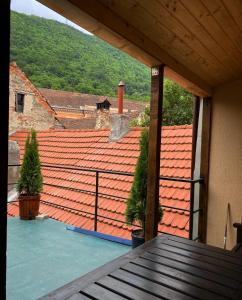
136	204
31	181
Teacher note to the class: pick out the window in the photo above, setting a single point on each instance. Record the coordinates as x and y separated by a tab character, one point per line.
19	102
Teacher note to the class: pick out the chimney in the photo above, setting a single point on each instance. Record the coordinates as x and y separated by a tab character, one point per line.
120	96
119	127
119	121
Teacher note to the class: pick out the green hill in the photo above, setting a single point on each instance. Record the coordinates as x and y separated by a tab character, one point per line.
57	56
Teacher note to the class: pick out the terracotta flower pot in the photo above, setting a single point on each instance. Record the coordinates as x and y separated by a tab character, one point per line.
137	238
28	207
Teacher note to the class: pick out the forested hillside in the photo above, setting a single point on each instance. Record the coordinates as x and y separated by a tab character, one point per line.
57	56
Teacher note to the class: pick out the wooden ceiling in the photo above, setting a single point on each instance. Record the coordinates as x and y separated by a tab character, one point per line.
199	41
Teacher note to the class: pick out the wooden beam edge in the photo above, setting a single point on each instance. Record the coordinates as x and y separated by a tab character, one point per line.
205	166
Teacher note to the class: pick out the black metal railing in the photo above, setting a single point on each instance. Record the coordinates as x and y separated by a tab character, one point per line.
96	193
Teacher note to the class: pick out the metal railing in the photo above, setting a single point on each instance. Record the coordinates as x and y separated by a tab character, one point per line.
97	193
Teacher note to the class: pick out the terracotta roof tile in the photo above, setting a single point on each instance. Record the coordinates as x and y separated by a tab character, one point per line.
91	149
74	100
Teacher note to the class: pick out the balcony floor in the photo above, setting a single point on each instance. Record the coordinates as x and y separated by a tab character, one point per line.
167	267
43	255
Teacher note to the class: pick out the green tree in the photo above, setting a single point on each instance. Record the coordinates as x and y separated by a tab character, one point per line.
177	107
136	204
143	120
30	181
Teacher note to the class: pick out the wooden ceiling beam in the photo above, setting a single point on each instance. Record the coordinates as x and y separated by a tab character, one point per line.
101	21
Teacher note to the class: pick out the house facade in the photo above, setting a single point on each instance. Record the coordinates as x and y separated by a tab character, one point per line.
27	106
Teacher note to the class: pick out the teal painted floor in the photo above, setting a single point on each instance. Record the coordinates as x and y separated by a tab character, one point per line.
43	255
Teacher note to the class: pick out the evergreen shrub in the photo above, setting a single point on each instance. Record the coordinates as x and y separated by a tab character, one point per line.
31	181
136	204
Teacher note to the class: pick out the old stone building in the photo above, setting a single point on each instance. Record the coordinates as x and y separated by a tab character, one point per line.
41	109
27	106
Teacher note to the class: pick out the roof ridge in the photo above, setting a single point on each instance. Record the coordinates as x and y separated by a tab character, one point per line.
61	130
113	98
173	127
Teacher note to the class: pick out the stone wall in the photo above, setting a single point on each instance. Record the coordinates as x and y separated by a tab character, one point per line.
13	159
103	119
37	114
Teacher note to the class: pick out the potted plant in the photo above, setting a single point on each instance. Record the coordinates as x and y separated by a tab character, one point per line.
30	181
136	204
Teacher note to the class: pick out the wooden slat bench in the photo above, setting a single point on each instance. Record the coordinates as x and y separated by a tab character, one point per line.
167	267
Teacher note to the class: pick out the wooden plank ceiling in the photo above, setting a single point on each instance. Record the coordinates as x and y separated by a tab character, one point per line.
199	41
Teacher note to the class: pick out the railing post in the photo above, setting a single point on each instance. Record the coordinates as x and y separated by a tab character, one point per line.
96	201
191	211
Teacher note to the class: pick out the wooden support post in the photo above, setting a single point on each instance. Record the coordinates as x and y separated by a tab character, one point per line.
4	96
196	108
157	78
204	167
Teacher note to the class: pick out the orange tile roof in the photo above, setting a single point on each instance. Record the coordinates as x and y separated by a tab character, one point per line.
74	100
81	123
66	191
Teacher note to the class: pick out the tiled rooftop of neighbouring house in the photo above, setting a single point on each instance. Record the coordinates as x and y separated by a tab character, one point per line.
74	100
44	255
81	123
91	149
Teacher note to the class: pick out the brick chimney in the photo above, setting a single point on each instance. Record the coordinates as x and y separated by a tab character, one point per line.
120	96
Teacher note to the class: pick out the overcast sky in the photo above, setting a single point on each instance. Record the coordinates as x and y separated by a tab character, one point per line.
32	7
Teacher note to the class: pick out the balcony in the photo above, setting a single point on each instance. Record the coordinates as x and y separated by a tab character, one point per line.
58	249
43	255
199	46
90	208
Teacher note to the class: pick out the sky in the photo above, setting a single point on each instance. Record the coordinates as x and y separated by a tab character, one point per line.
32	7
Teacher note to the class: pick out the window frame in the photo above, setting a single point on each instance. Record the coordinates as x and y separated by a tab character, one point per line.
19	97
